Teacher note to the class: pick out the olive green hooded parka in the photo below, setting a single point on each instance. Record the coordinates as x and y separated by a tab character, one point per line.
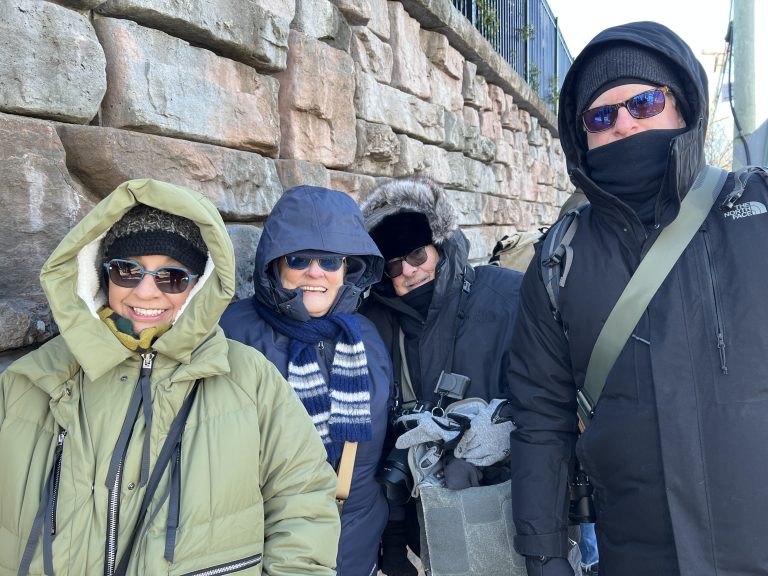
255	494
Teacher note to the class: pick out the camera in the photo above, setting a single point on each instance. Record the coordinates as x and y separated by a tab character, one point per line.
582	509
395	473
452	385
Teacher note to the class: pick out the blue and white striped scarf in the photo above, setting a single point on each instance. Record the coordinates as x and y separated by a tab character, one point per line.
341	408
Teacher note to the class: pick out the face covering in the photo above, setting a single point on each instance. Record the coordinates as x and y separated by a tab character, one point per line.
632	169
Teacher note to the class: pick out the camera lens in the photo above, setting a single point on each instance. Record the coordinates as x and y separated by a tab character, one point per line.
395	476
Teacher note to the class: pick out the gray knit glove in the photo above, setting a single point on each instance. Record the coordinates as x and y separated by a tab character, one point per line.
428	428
486	442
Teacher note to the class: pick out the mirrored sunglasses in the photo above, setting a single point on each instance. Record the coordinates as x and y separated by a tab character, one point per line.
640	106
129	274
327	263
394	267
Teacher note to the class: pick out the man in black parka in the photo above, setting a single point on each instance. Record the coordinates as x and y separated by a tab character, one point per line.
677	450
453	317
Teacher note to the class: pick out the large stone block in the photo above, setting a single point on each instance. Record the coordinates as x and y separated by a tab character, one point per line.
378	149
510	117
322	20
379	22
504	153
51	62
500	211
455	131
356	12
490	125
245	239
359	186
445	91
243	30
410	71
498	99
41	203
403	112
242	185
457	164
442	55
471	116
436	164
478	249
372	54
300	172
473	87
81	4
411	159
317	91
24	322
468	205
162	85
480	177
478	146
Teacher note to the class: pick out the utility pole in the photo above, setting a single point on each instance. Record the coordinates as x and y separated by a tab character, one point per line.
743	77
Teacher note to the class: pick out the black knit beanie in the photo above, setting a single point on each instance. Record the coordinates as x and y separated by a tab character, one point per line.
146	231
624	63
401	233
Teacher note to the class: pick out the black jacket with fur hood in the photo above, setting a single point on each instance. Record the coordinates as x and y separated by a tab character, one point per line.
485	331
677	450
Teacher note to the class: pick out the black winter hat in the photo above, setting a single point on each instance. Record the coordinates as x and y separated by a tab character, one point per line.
145	231
401	233
623	63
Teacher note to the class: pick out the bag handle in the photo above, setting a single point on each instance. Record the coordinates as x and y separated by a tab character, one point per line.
346	466
645	282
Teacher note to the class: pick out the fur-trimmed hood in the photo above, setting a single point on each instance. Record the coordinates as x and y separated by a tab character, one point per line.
413	194
425	196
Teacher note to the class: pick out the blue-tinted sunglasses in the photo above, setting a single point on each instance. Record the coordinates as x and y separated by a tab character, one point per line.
640	106
327	263
129	274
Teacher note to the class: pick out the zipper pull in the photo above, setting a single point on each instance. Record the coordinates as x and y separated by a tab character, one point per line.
147	359
60	441
721	349
320	346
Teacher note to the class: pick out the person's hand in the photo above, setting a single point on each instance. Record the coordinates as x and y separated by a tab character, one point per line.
549	567
487	440
424	427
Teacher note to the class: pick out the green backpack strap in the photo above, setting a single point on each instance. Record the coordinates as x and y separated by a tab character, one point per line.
645	282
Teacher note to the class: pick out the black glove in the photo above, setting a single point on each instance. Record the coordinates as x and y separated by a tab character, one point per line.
548	567
394	554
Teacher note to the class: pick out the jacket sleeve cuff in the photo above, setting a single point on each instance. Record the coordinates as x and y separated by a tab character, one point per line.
552	545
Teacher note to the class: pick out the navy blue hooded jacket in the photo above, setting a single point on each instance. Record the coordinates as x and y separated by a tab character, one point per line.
312	218
677	450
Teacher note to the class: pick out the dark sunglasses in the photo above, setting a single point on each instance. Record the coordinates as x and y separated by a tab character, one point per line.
394	267
327	263
168	279
644	105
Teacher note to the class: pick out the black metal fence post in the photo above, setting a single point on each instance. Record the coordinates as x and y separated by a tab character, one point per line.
524	32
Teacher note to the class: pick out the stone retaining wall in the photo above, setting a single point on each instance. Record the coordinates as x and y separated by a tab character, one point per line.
242	99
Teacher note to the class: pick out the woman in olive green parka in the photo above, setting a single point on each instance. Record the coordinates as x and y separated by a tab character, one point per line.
84	419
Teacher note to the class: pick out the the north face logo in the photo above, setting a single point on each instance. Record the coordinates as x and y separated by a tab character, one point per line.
746	209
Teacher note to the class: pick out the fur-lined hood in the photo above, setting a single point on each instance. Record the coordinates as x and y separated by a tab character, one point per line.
412	194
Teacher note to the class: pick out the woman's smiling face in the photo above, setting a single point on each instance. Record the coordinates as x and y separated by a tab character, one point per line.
145	305
319	287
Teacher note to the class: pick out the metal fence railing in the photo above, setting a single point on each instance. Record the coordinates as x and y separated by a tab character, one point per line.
526	34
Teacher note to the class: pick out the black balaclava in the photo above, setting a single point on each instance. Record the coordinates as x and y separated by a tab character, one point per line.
633	168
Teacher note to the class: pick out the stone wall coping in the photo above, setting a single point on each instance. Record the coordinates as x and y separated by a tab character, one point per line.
441	16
